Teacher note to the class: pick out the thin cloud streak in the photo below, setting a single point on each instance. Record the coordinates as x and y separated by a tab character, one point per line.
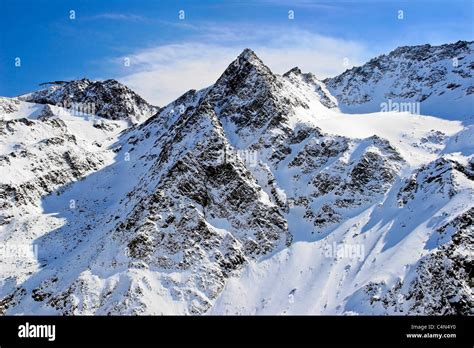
118	17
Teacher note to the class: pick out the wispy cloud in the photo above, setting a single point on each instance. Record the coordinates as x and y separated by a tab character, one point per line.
308	4
118	17
163	73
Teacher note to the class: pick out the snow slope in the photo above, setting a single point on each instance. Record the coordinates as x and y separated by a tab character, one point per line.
256	195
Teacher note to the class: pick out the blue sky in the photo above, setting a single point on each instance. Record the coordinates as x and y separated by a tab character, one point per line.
168	55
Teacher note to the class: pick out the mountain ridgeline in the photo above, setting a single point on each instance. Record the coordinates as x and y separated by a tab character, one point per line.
260	194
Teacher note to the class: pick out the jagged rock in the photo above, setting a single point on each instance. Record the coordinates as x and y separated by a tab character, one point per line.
246	179
411	74
108	99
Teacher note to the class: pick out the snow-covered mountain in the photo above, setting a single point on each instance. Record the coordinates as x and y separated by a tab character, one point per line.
108	99
256	195
439	78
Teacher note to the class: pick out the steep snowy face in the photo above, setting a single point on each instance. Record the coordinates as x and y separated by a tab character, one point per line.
439	78
189	216
410	253
309	82
194	219
108	99
440	283
336	179
235	199
43	149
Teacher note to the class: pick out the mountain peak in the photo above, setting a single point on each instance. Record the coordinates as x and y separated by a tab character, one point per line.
245	65
248	55
249	58
109	99
295	71
253	175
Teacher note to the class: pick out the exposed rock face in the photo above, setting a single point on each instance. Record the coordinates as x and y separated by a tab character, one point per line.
108	99
246	96
251	177
445	277
179	226
8	105
441	283
438	77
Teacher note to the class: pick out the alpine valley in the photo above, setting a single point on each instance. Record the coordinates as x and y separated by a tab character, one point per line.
260	194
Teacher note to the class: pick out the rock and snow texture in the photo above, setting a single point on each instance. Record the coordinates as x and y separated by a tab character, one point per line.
108	99
439	78
256	195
